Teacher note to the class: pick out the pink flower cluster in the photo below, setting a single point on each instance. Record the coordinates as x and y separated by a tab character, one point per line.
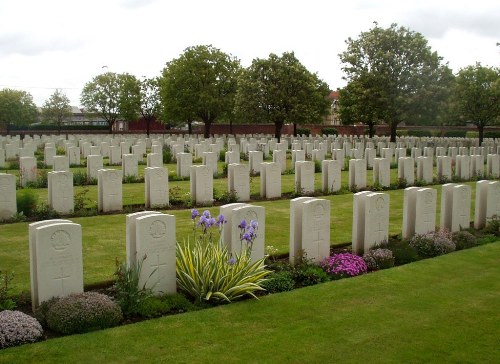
344	265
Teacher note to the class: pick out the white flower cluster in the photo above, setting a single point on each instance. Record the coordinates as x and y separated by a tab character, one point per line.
17	328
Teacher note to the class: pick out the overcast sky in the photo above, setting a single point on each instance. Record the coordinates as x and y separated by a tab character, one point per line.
49	44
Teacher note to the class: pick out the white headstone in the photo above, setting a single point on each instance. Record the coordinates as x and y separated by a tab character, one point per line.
304	177
424	169
270	180
184	163
238	180
8	206
60	192
94	164
130	166
370	220
201	184
382	172
309	228
110	190
156	241
156	187
56	260
28	171
279	157
357	174
154	160
330	176
455	207
254	160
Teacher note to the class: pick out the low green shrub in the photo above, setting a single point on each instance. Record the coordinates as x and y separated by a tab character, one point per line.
379	258
167	156
80	178
329	131
17	328
83	312
493	226
420	133
156	306
463	240
6	301
492	134
303	131
129	295
455	134
402	252
27	201
433	244
41	311
280	281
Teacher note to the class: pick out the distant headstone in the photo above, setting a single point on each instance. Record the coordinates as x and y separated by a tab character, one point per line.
8	206
330	176
201	184
130	167
156	187
210	159
493	166
94	164
279	157
60	192
154	160
487	202
444	168
304	177
238	180
425	169
382	172
370	224
254	160
357	174
455	207
270	180
28	171
419	211
462	167
110	190
184	163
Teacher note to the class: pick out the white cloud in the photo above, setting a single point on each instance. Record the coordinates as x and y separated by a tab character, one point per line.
64	44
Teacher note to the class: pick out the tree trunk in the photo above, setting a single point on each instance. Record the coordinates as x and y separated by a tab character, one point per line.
294	129
190	127
148	122
231	126
371	130
277	131
110	127
480	129
394	127
206	134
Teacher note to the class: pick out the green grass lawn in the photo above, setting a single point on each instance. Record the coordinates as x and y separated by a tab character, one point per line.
441	310
104	235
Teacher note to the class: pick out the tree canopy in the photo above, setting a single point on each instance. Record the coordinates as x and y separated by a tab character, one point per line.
396	69
57	108
199	85
477	96
112	96
16	108
281	90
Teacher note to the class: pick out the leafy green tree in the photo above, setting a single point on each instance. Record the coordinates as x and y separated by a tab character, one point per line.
150	101
356	106
57	109
129	97
112	96
16	108
397	70
199	85
477	96
281	90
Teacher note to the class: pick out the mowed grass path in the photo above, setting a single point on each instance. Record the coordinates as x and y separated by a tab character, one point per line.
104	235
441	310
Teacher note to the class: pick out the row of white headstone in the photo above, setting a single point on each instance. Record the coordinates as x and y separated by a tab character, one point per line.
56	245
